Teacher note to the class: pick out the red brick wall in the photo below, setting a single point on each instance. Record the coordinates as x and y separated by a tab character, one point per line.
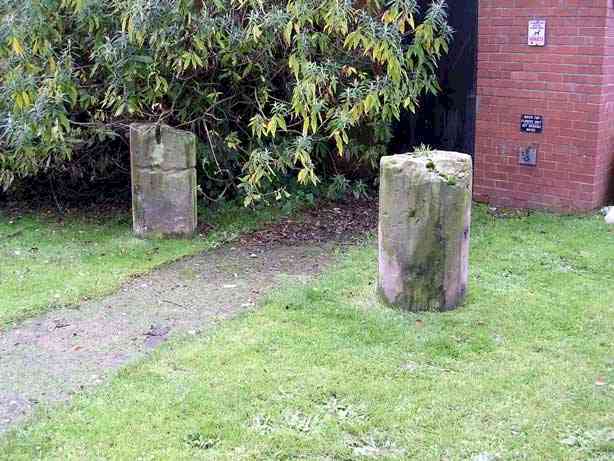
570	82
605	164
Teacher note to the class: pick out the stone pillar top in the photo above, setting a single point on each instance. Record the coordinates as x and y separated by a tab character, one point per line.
163	147
445	164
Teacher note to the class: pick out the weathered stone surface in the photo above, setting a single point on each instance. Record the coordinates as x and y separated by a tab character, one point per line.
425	216
163	164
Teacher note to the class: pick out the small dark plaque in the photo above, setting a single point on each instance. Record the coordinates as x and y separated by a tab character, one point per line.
532	123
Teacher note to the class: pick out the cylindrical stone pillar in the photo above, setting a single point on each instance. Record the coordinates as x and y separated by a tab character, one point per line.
424	220
163	161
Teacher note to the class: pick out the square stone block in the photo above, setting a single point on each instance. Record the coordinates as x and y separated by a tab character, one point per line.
164	185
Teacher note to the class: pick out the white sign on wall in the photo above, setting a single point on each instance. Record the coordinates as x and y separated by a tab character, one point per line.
537	33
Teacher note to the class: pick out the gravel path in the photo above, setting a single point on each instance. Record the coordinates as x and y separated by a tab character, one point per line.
47	359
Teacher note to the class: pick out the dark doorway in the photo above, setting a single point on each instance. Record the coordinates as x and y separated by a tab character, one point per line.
447	121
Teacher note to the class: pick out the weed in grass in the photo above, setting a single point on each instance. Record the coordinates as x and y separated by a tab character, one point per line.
200	441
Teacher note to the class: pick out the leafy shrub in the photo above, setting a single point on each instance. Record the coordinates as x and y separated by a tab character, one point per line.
273	88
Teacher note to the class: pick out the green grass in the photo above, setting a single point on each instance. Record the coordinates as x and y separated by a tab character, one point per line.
48	263
324	372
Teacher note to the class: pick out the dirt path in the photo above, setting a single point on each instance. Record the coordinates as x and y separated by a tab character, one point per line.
47	359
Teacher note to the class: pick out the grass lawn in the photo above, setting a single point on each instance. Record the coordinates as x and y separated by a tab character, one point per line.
46	262
524	371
